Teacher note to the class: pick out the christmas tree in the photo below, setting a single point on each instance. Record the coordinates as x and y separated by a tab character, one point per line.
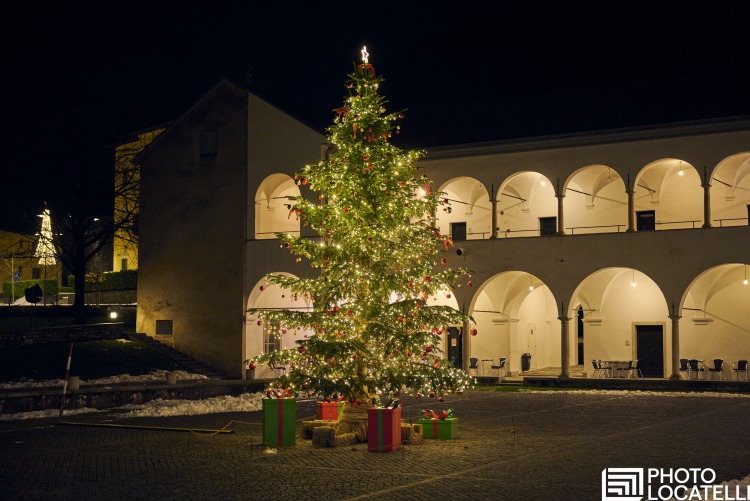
377	259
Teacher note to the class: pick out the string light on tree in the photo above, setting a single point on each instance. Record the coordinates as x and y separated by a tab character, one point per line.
376	265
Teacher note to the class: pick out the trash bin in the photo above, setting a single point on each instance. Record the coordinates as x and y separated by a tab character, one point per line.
525	362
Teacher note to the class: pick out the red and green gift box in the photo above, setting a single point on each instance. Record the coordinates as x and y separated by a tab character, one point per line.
443	426
329	411
383	429
279	421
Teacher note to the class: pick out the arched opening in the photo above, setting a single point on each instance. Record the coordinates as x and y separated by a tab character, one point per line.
668	196
465	212
526	206
515	313
730	191
272	207
262	336
595	201
714	321
625	317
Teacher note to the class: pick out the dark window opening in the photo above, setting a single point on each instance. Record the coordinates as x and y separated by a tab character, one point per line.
458	232
645	220
547	226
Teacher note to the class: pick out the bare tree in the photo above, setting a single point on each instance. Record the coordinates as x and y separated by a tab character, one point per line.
84	222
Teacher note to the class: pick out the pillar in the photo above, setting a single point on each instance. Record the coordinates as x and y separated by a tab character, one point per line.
675	345
493	203
631	210
465	344
706	203
560	222
564	347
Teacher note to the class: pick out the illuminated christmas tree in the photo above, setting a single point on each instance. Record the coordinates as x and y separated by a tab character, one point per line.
45	250
375	334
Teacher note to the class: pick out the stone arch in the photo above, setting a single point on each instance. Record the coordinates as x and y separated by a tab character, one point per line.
672	189
596	201
515	313
272	207
267	295
465	200
714	321
615	301
522	200
730	191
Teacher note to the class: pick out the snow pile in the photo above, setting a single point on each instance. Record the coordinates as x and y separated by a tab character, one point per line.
248	402
156	375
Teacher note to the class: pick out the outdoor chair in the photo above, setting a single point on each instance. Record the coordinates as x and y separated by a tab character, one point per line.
695	367
633	369
500	366
599	369
718	368
740	368
474	364
684	367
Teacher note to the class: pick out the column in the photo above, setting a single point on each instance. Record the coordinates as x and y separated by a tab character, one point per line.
493	203
631	210
465	344
560	222
706	203
675	345
564	347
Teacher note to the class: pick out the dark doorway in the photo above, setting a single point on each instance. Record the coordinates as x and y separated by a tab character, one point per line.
649	340
547	226
748	214
580	335
455	351
645	220
458	232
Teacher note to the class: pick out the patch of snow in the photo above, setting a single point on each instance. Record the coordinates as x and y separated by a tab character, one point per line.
48	413
248	402
156	375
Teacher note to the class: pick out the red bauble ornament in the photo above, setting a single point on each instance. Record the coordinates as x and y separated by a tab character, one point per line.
252	365
469	283
432	394
442	399
303	180
428	349
473	332
302	349
443	260
260	322
262	287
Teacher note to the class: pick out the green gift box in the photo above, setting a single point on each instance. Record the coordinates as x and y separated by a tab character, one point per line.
442	429
279	421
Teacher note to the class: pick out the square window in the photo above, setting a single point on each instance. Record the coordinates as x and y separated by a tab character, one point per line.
164	327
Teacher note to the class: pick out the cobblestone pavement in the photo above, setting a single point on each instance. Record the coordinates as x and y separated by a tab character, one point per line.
511	446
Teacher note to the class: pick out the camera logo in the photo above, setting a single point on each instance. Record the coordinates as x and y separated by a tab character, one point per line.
622	484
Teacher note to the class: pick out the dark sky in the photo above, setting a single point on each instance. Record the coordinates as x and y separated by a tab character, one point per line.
487	70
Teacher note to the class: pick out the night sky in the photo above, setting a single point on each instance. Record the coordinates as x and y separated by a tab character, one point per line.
465	71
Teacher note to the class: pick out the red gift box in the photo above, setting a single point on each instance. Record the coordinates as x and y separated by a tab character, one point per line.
383	429
329	411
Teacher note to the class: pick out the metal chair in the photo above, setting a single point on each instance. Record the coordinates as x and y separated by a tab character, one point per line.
718	368
684	367
474	364
599	369
739	368
500	366
696	368
633	369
